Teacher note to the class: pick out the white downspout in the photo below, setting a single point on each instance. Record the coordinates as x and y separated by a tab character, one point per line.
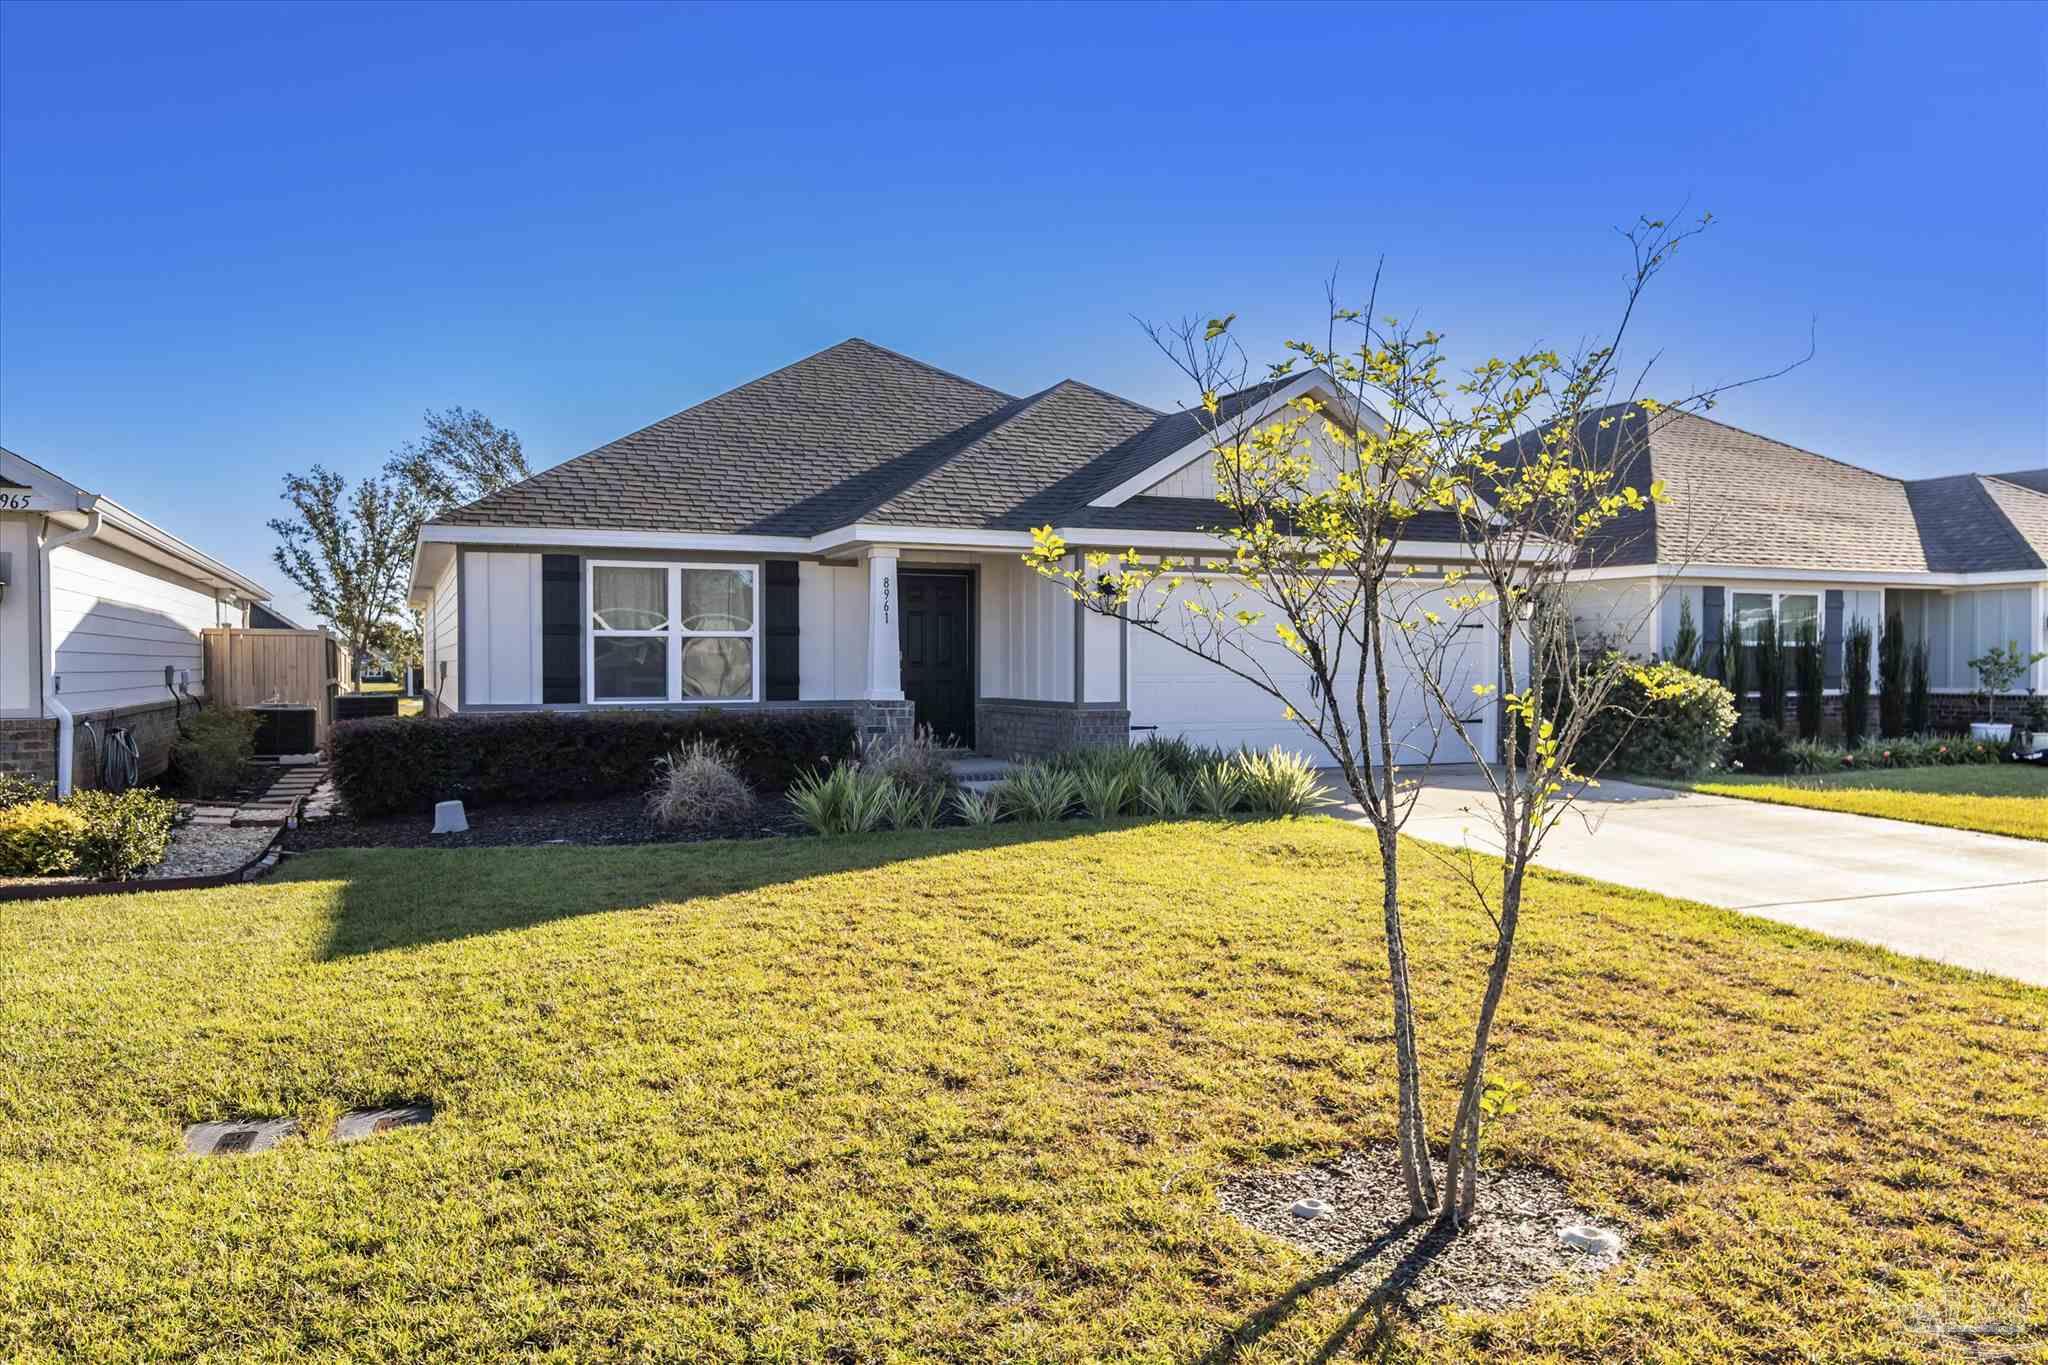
50	701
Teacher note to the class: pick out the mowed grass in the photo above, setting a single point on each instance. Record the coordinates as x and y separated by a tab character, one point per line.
2002	798
966	1096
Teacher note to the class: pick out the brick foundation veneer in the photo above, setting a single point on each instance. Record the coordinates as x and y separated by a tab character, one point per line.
1032	729
1948	712
29	747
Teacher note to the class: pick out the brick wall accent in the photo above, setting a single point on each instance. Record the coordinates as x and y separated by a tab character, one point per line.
1005	728
1948	712
29	748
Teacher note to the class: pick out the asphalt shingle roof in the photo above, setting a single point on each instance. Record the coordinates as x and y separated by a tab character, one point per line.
860	433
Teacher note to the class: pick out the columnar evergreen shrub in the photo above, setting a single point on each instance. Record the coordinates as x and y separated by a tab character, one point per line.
1685	646
1919	694
1892	678
1770	672
1856	682
407	764
1810	677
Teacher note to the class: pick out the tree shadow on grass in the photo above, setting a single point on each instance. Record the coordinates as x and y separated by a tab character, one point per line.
1380	1312
404	898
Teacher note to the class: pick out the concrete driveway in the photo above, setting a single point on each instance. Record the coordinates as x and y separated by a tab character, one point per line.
1975	900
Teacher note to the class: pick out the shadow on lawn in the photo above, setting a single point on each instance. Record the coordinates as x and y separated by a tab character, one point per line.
1379	1312
402	898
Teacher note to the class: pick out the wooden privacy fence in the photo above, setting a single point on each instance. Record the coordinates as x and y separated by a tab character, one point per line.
298	667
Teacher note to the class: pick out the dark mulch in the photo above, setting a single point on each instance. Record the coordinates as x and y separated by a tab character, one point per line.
605	820
1510	1253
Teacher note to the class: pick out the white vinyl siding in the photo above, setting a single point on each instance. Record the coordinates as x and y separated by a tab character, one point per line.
119	621
1027	634
20	650
442	646
500	629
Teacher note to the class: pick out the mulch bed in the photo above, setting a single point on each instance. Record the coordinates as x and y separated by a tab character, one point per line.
606	820
1510	1253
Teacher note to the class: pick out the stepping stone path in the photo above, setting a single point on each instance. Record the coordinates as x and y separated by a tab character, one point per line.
268	797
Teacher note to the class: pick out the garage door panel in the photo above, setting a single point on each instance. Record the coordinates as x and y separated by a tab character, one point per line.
1177	693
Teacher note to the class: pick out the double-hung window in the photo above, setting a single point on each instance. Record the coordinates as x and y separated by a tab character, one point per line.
1793	611
673	632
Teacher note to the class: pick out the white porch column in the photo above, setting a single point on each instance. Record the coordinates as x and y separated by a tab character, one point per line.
885	648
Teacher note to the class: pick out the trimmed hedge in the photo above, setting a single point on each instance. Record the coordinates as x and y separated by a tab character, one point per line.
386	767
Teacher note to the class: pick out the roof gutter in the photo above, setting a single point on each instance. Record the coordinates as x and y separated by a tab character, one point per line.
93	521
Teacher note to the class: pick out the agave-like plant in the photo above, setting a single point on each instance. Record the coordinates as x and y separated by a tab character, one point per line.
976	809
1037	792
1279	782
1216	788
911	806
1164	797
850	799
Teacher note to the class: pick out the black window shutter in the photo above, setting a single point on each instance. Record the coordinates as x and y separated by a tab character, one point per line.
1831	640
561	628
779	630
1710	629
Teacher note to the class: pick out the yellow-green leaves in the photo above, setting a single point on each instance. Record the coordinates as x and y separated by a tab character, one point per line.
1218	326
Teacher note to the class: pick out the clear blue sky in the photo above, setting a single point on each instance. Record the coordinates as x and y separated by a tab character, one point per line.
238	240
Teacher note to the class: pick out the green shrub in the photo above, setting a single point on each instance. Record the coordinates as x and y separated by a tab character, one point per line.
1811	679
1279	782
1039	792
1685	646
697	787
1856	683
383	767
1216	788
1180	758
1107	790
1659	719
976	809
211	748
1758	747
39	839
847	799
1893	680
910	806
1164	796
124	832
16	790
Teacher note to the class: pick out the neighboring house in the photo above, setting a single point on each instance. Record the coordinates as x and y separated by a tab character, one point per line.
1752	526
847	533
100	622
261	617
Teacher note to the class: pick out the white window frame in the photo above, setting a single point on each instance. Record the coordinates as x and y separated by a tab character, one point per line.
673	632
1778	596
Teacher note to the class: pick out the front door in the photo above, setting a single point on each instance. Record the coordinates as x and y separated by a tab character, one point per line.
938	658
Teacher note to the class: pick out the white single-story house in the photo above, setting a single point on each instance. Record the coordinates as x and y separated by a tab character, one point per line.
100	620
1755	528
847	532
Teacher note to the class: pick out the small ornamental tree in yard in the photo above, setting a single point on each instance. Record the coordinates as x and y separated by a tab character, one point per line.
1999	670
1891	678
1685	645
1313	504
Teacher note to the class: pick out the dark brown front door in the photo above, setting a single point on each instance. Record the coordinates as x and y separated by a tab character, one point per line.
938	655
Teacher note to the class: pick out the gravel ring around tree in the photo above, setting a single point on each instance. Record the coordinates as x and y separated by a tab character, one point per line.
1511	1253
621	819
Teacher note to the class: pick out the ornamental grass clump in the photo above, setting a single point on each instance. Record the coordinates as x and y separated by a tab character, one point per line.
975	809
697	786
915	760
1164	797
849	799
1107	790
1216	788
1038	792
909	806
1279	782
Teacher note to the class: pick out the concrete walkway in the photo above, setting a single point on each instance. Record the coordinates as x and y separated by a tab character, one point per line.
1974	900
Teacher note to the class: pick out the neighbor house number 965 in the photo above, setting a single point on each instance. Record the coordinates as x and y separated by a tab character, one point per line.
16	502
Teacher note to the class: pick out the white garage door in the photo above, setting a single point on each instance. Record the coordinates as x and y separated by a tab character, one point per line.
1175	692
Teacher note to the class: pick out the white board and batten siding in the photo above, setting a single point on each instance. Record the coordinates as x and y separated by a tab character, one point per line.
500	628
20	649
119	621
443	645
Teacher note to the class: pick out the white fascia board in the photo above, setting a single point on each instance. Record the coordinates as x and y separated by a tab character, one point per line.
599	537
1742	573
1194	450
146	540
864	533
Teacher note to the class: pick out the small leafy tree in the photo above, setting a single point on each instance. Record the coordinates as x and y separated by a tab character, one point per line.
1999	669
1685	645
1919	698
1524	457
1812	679
1855	683
1770	672
1892	680
464	456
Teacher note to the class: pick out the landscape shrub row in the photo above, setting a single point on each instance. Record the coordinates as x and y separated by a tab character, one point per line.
100	834
390	766
1757	749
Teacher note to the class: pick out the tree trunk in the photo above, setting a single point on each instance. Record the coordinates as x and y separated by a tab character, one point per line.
1411	1133
1461	1172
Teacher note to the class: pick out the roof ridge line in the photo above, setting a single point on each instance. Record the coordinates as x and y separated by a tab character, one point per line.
922	365
1101	392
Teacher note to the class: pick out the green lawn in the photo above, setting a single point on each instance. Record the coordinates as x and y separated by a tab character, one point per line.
964	1096
2001	798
